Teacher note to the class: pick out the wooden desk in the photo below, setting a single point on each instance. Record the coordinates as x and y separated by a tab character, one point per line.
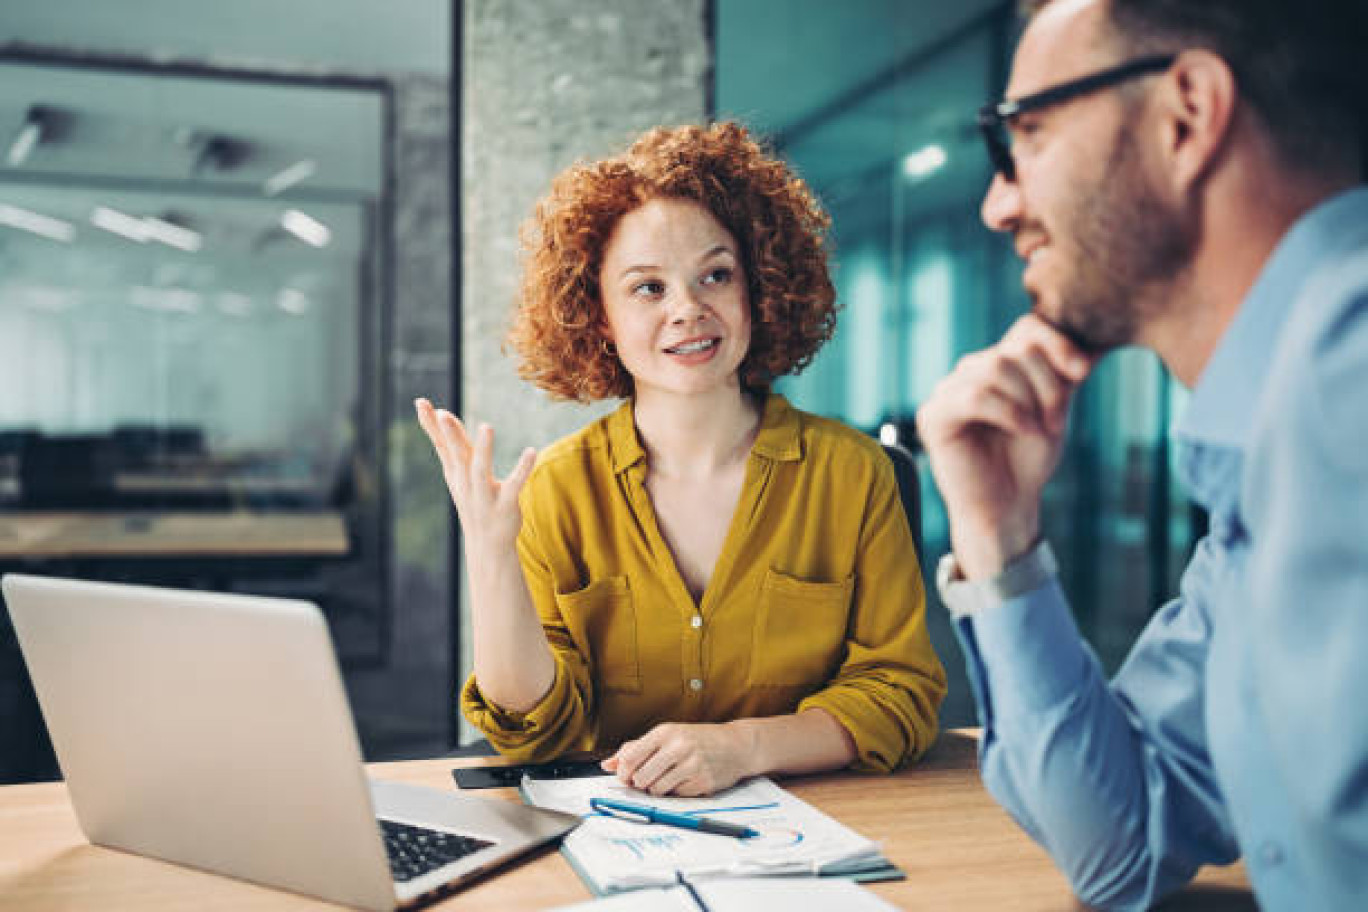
959	849
157	534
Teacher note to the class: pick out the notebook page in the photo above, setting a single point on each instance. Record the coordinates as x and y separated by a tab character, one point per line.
613	854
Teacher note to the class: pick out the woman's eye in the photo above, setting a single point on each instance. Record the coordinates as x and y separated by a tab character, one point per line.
648	289
719	276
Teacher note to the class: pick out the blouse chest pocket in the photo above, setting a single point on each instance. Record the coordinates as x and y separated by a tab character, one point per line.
602	621
800	631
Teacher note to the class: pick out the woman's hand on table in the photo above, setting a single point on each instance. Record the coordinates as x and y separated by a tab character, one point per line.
684	759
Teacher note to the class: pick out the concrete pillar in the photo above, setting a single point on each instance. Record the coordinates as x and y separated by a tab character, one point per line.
547	83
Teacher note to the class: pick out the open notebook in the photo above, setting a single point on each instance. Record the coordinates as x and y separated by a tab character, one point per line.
613	855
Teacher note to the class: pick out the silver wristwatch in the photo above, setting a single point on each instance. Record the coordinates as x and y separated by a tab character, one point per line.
1025	573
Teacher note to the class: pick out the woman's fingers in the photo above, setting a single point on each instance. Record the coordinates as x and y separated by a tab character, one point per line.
457	440
678	759
427	420
651	775
628	757
488	507
446	433
512	485
482	456
674	779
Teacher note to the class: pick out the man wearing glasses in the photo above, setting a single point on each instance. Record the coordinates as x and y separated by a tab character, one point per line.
1185	175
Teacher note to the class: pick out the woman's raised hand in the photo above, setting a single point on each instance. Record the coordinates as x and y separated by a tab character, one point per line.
488	507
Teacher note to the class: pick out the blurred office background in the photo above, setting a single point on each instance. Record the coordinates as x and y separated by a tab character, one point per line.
237	240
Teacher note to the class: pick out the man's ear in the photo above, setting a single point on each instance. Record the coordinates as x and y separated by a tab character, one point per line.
1197	110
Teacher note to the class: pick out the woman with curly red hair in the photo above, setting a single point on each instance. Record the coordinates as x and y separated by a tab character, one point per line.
707	582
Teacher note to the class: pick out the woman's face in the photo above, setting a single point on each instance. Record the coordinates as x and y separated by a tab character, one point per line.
674	297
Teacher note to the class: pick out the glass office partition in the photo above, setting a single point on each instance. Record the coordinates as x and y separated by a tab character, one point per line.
885	135
191	329
142	376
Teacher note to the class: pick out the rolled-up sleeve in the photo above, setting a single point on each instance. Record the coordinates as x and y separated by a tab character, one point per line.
889	686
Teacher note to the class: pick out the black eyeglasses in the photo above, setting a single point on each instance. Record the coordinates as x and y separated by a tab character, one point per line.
993	119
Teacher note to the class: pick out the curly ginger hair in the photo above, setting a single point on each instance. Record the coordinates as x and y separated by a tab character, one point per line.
769	211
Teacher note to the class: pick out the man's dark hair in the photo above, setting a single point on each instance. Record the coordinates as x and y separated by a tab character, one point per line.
1301	64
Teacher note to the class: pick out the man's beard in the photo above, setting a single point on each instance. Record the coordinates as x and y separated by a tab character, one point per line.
1129	252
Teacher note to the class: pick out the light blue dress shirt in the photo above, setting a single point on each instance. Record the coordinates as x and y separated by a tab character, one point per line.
1238	725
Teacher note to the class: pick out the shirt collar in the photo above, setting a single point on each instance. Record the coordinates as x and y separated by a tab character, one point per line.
779	437
623	442
1223	404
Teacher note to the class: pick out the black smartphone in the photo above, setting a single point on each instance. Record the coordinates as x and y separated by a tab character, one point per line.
483	777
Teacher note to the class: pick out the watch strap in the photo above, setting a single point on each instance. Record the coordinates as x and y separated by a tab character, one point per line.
1025	573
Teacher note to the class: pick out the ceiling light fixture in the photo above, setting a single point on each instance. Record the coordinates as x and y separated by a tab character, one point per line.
32	222
305	227
172	234
924	162
166	300
35	128
299	171
120	223
293	301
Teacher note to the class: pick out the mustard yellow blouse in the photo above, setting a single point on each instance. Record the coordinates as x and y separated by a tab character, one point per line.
816	599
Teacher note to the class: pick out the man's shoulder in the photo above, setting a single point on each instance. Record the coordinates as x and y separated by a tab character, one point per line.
1327	330
1320	375
1336	283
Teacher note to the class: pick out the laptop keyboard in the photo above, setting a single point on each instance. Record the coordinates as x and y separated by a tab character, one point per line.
415	851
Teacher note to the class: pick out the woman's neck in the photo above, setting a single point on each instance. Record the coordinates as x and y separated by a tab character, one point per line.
692	436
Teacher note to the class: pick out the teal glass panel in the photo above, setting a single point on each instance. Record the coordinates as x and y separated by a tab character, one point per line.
891	149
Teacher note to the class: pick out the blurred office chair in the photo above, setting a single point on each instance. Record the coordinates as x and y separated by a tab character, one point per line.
183	440
136	446
63	473
909	488
13	442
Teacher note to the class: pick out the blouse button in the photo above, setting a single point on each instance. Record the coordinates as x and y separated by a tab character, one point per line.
696	621
695	684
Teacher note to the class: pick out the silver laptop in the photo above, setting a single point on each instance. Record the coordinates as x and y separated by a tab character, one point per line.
214	731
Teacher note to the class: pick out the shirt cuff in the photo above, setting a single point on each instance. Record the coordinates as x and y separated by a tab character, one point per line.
1029	653
504	725
1023	574
848	710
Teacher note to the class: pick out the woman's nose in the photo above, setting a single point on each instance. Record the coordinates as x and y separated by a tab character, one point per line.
686	307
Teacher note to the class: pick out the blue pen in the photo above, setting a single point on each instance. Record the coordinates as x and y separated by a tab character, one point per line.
646	814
